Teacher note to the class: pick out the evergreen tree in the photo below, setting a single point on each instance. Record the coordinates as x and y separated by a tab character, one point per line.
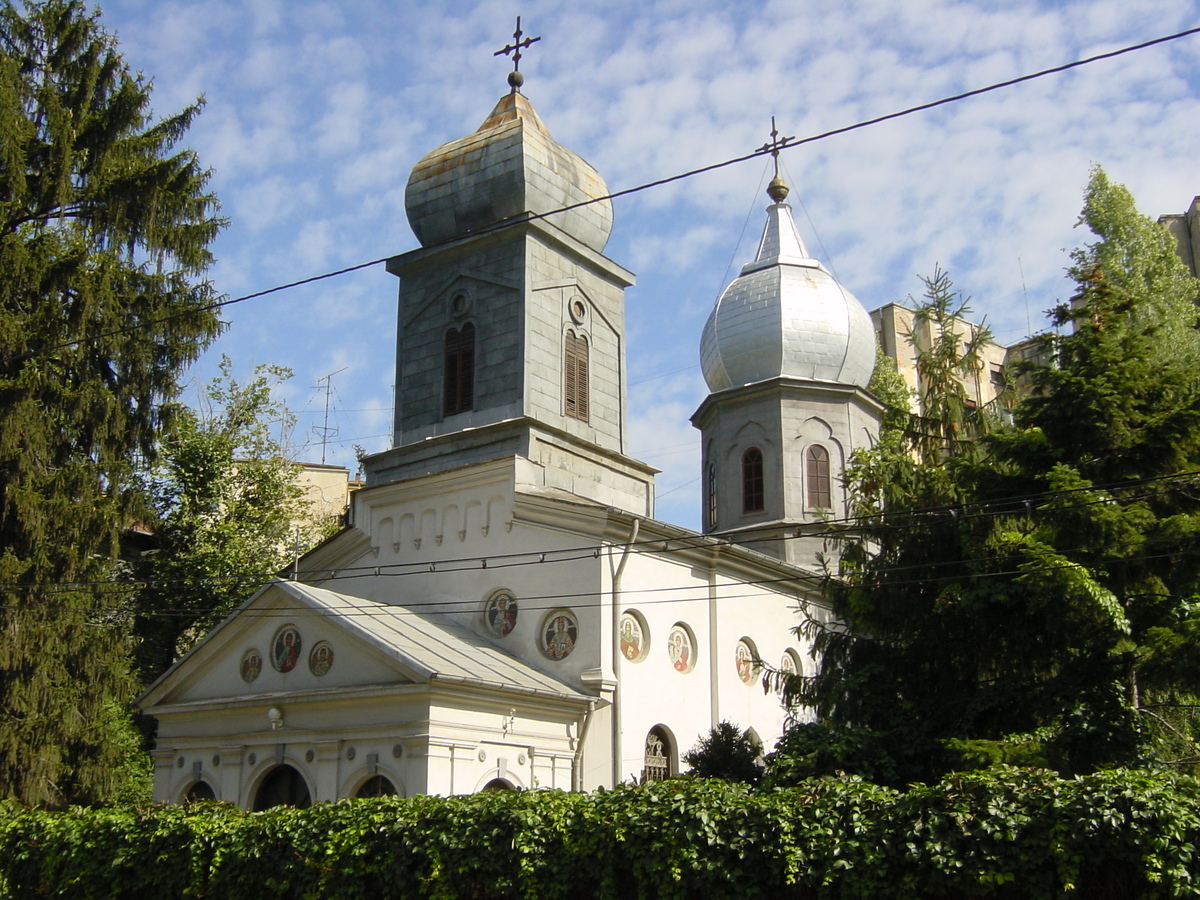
726	753
104	229
1032	595
230	513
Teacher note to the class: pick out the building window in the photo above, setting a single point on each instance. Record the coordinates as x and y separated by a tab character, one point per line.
376	786
752	481
819	488
283	787
657	764
575	377
712	496
460	370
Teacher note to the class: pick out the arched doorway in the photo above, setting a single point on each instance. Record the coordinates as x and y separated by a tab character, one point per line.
201	790
376	786
498	784
284	786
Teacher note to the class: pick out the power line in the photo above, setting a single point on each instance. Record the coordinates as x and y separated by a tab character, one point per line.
504	224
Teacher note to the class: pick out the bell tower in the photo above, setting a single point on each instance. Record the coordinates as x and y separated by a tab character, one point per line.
511	321
787	353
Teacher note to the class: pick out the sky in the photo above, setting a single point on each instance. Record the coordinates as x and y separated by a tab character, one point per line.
316	112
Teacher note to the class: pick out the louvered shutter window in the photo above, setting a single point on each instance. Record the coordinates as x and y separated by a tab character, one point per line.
752	480
575	377
460	370
819	492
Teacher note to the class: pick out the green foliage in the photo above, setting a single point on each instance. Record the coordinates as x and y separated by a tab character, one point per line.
229	514
1005	833
1037	578
104	227
726	753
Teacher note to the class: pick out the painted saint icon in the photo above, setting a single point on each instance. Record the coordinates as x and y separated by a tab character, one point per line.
558	637
320	660
788	665
745	662
632	639
679	647
285	648
501	614
251	665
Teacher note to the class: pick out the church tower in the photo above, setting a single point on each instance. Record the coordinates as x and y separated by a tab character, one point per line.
511	331
787	354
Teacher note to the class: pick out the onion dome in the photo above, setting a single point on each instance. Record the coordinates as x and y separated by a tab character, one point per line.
509	167
786	315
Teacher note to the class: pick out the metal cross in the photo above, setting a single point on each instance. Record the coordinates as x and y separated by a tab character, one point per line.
775	145
515	78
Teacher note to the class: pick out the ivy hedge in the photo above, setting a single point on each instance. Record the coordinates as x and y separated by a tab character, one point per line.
1003	833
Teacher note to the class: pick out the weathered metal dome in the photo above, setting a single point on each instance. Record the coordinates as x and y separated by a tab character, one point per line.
786	315
509	167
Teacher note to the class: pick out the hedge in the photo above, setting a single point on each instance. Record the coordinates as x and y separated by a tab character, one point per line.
1004	833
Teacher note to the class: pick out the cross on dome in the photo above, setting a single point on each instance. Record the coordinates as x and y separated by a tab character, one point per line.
777	190
515	78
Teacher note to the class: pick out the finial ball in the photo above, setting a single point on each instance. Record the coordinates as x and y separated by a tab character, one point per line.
777	190
515	79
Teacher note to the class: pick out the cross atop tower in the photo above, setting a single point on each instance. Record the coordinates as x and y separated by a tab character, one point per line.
777	190
515	78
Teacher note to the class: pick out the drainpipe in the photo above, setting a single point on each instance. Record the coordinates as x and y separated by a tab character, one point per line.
577	765
617	731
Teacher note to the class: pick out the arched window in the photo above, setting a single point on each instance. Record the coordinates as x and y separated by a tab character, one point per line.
819	494
712	496
376	786
752	480
283	787
659	760
575	377
498	784
459	394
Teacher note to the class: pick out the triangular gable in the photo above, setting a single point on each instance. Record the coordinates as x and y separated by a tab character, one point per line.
363	642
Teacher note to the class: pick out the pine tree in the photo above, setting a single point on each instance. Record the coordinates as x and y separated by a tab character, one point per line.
104	229
1034	595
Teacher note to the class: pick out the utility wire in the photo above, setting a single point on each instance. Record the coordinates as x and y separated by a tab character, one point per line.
504	224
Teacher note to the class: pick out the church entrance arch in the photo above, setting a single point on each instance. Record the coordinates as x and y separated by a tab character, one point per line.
283	786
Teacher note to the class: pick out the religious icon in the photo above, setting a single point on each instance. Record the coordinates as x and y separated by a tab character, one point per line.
745	662
558	639
631	637
320	660
501	614
679	647
787	665
285	648
251	665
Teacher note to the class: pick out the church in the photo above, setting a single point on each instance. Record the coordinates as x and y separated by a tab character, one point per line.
503	610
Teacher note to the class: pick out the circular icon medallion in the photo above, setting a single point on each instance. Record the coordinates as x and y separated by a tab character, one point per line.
251	665
500	614
559	634
320	660
285	648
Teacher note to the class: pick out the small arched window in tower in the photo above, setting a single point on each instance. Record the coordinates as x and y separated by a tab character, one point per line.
819	493
459	395
575	376
752	481
712	496
659	755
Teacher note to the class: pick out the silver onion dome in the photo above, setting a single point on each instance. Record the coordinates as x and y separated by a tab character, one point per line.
786	315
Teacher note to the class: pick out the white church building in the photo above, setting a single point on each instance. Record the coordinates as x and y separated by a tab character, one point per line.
503	610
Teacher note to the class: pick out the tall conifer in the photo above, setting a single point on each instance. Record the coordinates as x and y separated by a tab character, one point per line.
104	230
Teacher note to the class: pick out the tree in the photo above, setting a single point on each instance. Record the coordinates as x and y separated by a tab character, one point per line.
1016	596
229	514
726	753
104	230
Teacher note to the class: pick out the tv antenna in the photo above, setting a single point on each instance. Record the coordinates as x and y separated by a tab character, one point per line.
324	432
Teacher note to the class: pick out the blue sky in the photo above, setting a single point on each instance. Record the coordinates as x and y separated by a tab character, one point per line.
316	112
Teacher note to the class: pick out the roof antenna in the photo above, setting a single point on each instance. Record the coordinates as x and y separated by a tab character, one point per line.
324	431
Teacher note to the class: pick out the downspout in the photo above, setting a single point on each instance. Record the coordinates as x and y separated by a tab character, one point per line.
577	765
617	731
